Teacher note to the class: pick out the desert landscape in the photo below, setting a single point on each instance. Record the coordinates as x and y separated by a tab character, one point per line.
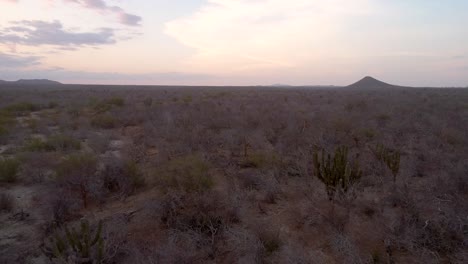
366	173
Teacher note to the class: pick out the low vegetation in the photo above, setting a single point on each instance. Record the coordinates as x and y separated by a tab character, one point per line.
249	175
189	173
9	169
58	142
79	246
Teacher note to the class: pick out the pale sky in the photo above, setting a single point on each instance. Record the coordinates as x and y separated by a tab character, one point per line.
235	42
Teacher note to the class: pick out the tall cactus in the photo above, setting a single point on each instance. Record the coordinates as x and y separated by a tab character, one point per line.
78	246
336	172
389	157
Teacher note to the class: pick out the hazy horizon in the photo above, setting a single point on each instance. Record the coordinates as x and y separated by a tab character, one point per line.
228	42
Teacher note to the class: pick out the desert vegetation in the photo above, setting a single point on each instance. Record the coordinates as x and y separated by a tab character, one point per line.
102	174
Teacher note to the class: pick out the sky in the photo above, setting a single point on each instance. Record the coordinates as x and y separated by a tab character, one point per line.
235	42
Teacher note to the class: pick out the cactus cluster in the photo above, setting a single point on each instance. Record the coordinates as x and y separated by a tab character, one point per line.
76	246
389	157
336	172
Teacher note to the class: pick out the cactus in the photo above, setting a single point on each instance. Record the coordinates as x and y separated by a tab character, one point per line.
389	157
78	246
336	172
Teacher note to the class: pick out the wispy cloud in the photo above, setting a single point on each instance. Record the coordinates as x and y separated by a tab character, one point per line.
101	6
37	32
13	61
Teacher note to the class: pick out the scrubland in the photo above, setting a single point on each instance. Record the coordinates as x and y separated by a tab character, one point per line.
100	174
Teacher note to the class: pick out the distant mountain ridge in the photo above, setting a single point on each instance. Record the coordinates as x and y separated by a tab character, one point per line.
372	83
32	82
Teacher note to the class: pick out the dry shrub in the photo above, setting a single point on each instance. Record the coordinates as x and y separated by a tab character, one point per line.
76	173
9	169
58	142
7	203
60	208
104	121
123	178
208	213
243	246
250	179
260	160
345	249
188	173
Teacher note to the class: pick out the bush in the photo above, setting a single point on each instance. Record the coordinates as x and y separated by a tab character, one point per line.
6	120
77	174
390	157
22	108
85	245
106	105
37	145
189	173
64	142
207	214
8	170
259	160
54	143
116	101
148	102
104	121
6	203
124	178
52	105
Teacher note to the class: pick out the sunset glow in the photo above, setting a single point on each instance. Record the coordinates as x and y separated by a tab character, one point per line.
235	42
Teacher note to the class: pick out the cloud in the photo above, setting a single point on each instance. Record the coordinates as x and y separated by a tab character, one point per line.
37	32
101	6
245	35
12	61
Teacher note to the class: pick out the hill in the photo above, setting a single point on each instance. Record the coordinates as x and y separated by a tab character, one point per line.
40	82
372	83
37	82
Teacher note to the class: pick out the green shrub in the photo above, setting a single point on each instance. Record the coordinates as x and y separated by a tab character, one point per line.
189	173
148	102
78	163
104	121
106	105
53	143
83	245
52	105
22	108
37	145
9	170
63	142
77	174
383	118
7	203
369	133
260	160
6	120
187	99
136	177
116	101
